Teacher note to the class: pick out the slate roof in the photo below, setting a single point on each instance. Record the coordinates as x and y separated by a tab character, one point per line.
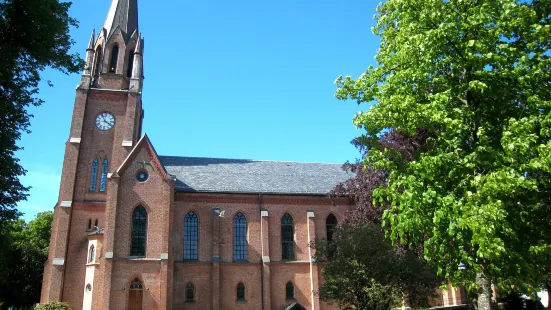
123	14
220	175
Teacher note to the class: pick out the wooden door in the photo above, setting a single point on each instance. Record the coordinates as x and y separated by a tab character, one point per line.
135	299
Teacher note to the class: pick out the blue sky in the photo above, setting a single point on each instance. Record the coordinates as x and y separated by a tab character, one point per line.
232	79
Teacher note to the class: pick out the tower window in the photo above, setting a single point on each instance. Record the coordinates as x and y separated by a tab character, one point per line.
103	179
97	60
89	224
330	224
139	232
289	291
287	238
190	292
96	223
239	237
191	236
130	65
240	291
92	254
94	175
114	59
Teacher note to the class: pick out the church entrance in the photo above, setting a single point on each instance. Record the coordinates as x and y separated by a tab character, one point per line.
135	296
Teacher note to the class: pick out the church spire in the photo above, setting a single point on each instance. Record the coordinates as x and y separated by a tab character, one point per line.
124	15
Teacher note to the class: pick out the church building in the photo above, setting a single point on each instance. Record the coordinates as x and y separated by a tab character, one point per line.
136	230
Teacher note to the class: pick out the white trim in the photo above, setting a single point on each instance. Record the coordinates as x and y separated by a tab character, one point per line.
66	204
109	175
75	140
263	213
311	214
58	262
127	143
164	255
108	254
265	259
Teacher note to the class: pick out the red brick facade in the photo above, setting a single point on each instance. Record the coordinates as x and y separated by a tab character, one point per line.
107	279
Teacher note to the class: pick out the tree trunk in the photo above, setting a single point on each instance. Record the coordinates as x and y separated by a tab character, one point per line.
484	291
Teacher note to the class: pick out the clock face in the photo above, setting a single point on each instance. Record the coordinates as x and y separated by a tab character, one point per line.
105	121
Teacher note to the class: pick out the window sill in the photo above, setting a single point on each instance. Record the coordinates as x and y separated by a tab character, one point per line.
241	300
189	301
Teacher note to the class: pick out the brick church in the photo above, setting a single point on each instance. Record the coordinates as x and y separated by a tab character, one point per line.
136	230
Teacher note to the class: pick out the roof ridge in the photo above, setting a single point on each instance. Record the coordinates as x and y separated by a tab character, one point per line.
256	160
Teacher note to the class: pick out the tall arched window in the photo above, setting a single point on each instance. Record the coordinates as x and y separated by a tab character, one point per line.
190	292
130	64
240	291
89	224
98	60
135	296
139	231
92	254
287	238
96	223
114	58
103	179
239	237
289	291
94	175
330	224
191	236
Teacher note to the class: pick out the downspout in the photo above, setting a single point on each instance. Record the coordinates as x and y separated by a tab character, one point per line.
262	257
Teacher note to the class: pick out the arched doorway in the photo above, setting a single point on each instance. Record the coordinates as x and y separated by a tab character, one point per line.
135	296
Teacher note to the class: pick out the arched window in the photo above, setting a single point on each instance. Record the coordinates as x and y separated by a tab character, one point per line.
191	236
92	254
190	292
287	238
89	224
139	231
135	296
240	291
330	224
98	60
94	176
103	179
239	237
114	58
130	64
96	223
289	291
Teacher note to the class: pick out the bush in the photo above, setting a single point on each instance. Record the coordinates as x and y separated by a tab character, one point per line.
53	305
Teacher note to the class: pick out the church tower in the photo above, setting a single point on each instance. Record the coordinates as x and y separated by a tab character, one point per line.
106	125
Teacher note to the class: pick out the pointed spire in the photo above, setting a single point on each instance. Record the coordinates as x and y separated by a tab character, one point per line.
92	40
123	14
138	49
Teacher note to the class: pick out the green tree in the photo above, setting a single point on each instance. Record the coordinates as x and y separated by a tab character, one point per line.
364	270
28	252
34	34
475	75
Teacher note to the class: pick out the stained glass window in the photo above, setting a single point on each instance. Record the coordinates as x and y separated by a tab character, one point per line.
190	292
240	291
239	237
191	236
139	232
330	224
136	285
287	238
94	176
103	179
289	291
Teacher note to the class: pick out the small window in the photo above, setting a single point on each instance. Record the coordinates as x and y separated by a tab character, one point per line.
96	223
240	291
92	255
287	238
114	59
103	179
289	291
89	224
88	288
136	285
190	292
94	175
142	176
330	224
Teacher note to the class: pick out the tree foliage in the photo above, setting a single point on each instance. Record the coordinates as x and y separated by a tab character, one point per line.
365	271
27	253
475	75
34	34
53	305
